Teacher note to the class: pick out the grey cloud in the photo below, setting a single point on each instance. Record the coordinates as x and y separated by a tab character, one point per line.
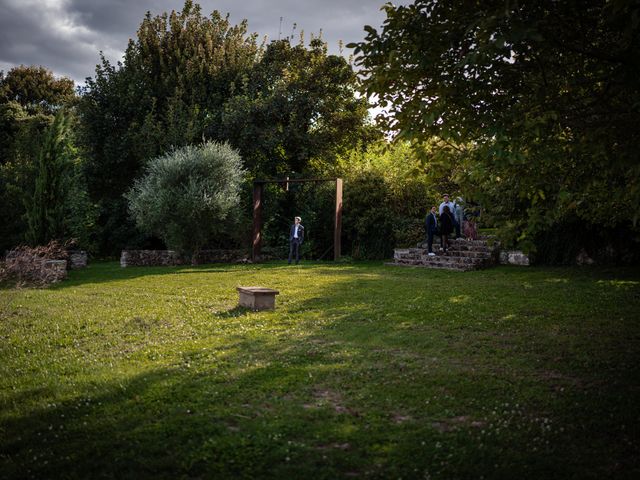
67	36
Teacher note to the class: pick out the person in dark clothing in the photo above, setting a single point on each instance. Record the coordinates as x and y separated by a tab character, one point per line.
431	226
296	237
446	227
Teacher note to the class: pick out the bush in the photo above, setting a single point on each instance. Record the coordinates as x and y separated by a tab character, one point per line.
189	197
563	242
387	194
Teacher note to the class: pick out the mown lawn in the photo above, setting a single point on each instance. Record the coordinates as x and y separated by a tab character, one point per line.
363	371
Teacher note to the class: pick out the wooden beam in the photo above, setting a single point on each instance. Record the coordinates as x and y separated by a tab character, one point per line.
258	188
257	221
295	180
337	229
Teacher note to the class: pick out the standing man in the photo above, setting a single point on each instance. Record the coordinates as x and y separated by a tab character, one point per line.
431	225
296	237
452	208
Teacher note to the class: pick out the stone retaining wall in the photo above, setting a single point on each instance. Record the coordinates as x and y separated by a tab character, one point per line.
156	258
77	259
514	257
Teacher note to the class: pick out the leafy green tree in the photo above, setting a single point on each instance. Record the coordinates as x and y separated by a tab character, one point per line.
35	89
29	98
297	104
541	98
168	92
189	196
387	193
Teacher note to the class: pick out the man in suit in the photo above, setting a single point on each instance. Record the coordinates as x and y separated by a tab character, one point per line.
431	225
296	237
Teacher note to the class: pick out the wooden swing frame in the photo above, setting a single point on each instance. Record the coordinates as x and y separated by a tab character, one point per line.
258	190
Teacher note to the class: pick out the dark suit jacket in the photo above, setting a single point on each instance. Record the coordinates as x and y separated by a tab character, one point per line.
431	223
300	232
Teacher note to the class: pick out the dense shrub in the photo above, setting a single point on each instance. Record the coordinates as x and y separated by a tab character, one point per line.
387	194
563	242
189	197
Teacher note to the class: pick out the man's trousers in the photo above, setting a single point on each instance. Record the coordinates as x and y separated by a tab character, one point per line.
294	245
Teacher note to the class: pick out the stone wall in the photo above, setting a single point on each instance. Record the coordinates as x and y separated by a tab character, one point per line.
514	257
149	258
77	259
221	256
155	258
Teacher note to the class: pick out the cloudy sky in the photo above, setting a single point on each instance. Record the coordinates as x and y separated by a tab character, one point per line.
67	35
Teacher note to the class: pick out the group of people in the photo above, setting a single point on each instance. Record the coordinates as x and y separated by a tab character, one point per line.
450	218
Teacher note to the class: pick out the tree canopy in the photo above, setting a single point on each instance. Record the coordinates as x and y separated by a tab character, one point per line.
296	104
187	77
35	88
539	98
30	96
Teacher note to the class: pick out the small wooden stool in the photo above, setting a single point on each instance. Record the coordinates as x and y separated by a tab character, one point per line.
258	298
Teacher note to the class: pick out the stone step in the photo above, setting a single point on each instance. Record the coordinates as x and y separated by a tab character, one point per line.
451	261
418	253
479	241
460	246
459	268
438	260
462	255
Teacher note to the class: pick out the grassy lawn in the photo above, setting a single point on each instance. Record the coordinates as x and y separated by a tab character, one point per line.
363	371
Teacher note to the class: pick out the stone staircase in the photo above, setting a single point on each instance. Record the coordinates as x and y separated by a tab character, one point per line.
462	255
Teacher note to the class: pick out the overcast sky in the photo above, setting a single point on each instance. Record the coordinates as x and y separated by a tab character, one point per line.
66	36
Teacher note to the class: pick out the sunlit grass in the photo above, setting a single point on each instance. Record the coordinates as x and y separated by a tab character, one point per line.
362	371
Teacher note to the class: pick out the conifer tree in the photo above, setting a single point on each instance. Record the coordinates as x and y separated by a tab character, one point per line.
46	209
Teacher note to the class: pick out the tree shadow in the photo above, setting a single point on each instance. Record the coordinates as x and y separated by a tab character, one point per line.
108	272
379	378
234	312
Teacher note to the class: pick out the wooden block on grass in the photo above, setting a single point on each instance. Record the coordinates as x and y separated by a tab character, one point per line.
258	298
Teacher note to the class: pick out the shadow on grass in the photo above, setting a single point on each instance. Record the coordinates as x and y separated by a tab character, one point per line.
383	378
108	272
235	312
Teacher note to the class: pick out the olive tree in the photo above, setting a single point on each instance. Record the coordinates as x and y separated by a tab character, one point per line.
188	196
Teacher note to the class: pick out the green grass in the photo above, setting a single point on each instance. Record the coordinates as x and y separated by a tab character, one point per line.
363	371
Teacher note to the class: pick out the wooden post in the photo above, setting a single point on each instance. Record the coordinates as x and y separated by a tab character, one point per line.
337	230
257	220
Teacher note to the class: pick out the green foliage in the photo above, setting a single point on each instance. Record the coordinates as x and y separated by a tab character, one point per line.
59	207
542	96
384	372
168	92
189	197
297	104
35	89
387	194
29	98
45	212
186	78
